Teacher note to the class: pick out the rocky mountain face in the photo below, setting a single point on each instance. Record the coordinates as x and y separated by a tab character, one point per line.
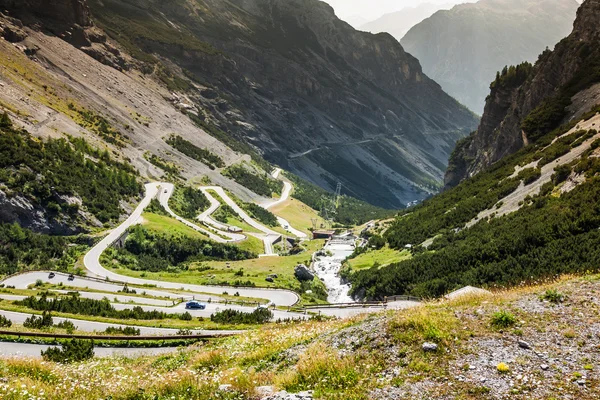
562	85
463	48
308	91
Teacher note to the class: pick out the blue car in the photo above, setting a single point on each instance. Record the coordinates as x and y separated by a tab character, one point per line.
195	305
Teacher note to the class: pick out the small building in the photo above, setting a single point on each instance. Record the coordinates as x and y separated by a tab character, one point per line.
323	234
234	229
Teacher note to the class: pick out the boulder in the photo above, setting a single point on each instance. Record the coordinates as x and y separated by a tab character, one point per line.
429	347
302	273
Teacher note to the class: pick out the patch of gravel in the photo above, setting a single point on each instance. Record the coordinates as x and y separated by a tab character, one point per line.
553	352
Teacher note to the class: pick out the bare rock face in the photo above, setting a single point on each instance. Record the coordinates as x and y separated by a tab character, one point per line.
18	209
558	74
68	19
56	14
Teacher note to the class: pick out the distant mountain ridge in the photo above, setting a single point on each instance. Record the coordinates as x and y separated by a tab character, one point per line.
463	48
400	22
561	86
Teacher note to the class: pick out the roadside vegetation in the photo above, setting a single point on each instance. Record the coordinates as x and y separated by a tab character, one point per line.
21	249
153	251
73	304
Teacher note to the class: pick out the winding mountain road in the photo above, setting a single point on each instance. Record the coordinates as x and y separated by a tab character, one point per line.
285	195
92	263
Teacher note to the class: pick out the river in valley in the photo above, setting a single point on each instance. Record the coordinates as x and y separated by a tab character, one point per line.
327	267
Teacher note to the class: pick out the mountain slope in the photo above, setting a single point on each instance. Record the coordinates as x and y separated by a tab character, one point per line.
314	95
531	215
400	22
524	106
464	47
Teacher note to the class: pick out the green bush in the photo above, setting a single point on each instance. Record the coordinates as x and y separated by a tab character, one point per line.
147	250
261	184
503	319
259	213
191	150
553	296
71	351
529	175
259	316
156	208
188	202
5	121
34	322
67	325
186	316
73	304
126	331
5	322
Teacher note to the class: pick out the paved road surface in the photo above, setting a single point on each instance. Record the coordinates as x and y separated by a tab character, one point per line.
92	326
285	195
92	261
26	350
269	235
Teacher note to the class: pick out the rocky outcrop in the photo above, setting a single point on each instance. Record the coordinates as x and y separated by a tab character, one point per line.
18	209
462	48
556	78
308	91
302	273
68	19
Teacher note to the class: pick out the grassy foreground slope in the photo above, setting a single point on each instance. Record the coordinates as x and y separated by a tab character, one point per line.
489	347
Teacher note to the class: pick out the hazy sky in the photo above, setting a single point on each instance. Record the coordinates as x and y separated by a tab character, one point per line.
372	9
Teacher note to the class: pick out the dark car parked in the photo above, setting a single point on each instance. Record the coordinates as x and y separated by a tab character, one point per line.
71	277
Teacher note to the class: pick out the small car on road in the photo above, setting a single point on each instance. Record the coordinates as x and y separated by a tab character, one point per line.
195	305
71	277
51	275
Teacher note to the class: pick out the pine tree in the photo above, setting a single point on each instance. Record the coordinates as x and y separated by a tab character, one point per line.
5	121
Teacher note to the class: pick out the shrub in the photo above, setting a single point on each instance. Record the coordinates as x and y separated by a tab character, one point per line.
503	319
72	351
191	150
67	325
186	316
5	322
258	316
553	296
5	121
260	184
127	331
33	322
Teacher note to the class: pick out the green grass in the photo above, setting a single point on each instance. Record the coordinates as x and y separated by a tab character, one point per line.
298	214
161	223
253	244
255	270
383	257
